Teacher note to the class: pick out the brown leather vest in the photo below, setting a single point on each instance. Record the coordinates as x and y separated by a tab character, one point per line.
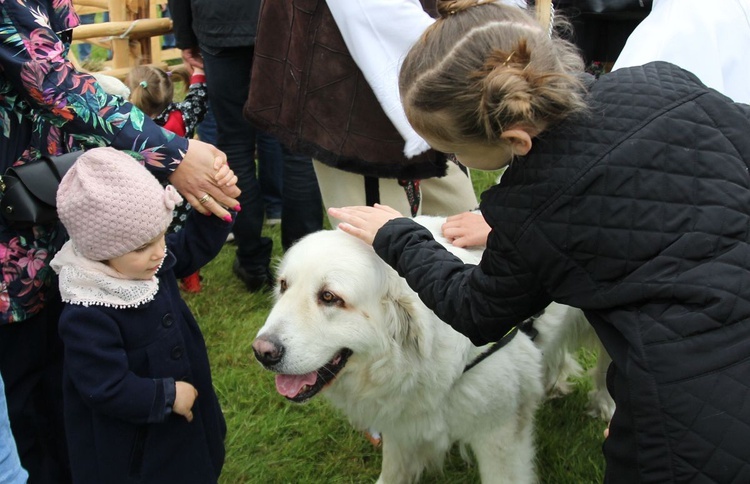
307	91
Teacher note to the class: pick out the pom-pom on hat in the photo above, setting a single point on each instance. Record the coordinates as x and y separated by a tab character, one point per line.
111	205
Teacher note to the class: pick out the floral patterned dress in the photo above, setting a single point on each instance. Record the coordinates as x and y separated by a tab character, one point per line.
47	107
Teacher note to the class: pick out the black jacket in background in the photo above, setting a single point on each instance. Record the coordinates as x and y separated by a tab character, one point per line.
638	213
214	23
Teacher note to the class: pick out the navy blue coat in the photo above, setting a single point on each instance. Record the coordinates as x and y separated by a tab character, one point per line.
119	372
638	213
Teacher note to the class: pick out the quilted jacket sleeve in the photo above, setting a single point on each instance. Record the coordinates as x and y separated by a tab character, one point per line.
482	302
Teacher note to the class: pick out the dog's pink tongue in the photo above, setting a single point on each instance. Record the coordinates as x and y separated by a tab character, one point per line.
291	385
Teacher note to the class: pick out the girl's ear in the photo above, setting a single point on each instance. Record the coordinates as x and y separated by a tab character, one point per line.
520	140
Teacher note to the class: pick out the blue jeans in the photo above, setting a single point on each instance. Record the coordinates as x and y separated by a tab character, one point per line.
31	355
11	471
228	80
168	40
84	49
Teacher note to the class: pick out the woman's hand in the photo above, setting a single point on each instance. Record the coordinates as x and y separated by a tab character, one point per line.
192	57
206	181
468	229
364	222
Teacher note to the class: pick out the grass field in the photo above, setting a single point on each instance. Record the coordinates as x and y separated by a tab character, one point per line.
273	441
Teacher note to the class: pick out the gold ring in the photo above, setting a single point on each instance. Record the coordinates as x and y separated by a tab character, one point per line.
204	198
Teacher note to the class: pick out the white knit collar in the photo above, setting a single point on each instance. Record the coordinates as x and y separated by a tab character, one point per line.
91	283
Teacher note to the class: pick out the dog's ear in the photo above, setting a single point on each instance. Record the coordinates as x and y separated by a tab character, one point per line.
404	316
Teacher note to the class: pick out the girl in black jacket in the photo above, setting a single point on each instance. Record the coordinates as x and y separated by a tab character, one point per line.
628	197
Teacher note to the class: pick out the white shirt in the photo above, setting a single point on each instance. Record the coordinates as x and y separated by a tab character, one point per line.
710	39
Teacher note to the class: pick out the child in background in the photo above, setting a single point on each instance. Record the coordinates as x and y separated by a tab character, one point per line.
152	91
139	401
626	196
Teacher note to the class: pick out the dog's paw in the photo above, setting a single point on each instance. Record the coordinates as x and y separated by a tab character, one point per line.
559	380
601	405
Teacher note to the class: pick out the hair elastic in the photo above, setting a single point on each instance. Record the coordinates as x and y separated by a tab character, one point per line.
144	84
453	11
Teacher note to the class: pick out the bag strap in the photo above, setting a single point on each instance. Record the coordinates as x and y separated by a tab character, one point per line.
60	164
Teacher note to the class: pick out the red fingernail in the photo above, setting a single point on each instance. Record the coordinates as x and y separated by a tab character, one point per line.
238	208
227	218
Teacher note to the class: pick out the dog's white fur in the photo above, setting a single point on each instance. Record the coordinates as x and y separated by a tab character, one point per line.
405	377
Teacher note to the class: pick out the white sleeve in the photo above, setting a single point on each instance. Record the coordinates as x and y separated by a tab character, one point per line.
709	40
378	34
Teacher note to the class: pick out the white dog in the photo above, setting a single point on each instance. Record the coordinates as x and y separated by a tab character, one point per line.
346	323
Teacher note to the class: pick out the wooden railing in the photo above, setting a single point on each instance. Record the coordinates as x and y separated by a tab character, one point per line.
133	34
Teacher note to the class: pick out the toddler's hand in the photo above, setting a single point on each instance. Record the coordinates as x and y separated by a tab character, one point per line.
185	395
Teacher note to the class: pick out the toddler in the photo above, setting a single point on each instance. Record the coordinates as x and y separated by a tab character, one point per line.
152	91
138	397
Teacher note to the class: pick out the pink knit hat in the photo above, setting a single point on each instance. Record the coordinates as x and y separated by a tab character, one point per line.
111	205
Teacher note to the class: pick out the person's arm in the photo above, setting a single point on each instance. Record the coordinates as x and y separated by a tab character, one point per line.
195	104
185	38
34	65
197	243
33	62
182	23
481	302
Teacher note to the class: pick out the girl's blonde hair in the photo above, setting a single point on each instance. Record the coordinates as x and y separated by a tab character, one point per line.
152	89
484	67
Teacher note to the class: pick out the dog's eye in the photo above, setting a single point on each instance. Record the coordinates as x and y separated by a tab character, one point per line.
282	285
328	297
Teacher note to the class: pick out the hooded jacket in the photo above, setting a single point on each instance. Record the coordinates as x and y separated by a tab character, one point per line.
638	212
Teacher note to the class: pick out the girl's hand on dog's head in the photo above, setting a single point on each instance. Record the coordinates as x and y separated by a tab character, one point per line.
364	222
185	395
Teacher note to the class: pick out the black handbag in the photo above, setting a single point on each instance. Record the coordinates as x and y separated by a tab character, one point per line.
29	191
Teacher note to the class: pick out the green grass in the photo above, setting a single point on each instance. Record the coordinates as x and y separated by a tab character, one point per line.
272	441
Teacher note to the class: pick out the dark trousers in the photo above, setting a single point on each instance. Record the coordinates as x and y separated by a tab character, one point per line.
31	366
228	80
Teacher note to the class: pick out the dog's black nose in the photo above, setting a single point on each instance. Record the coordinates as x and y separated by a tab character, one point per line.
267	351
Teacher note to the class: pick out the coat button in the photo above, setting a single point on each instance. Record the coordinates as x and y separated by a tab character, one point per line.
167	321
177	352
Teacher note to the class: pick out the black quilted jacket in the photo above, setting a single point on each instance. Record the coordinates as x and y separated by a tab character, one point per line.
638	213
